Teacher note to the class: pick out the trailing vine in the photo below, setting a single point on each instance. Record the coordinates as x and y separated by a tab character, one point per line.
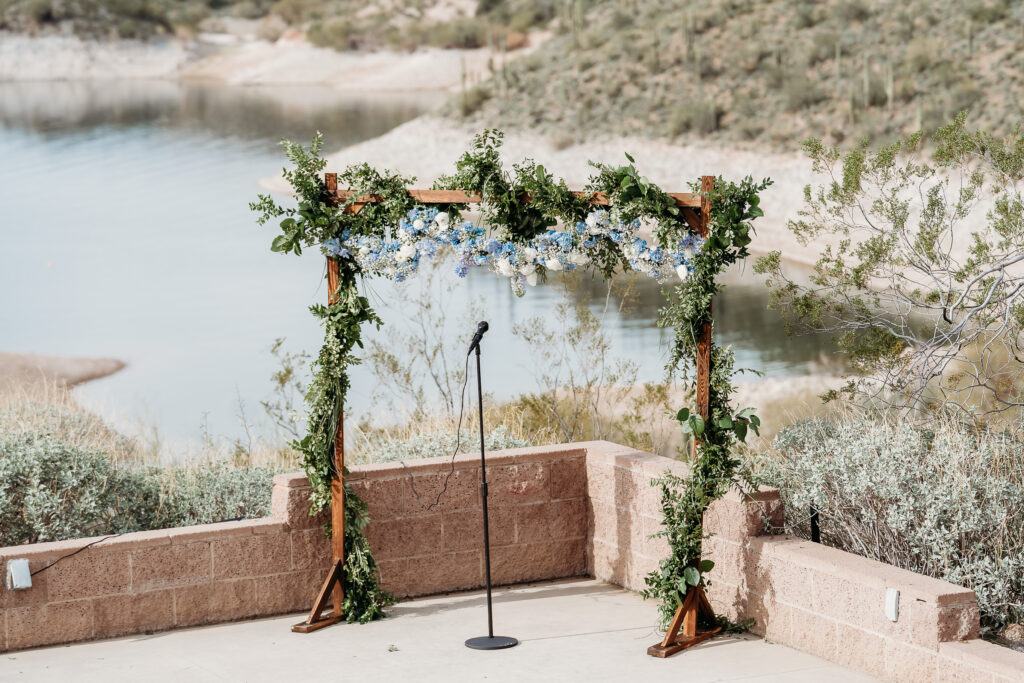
686	311
518	239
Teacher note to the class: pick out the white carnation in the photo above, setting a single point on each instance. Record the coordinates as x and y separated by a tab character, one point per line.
418	224
553	264
530	253
504	267
683	272
441	218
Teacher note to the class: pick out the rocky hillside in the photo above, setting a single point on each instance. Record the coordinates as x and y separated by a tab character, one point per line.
340	24
765	71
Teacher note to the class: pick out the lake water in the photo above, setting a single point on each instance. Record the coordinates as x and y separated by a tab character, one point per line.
127	234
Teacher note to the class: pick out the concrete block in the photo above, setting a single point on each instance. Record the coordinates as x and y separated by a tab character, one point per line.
311	549
288	592
386	499
569	478
519	484
859	649
56	622
214	602
908	663
245	556
92	572
407	537
170	565
207	532
118	615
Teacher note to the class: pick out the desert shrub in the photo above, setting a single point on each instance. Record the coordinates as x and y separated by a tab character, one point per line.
211	491
382	445
945	501
460	33
801	93
851	11
472	99
52	489
335	33
700	116
63	420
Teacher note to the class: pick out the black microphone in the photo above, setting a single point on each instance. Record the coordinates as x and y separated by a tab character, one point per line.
480	329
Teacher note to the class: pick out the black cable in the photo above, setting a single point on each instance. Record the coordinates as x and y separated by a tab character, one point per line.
455	452
107	538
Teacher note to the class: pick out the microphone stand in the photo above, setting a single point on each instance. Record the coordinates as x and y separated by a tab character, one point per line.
490	641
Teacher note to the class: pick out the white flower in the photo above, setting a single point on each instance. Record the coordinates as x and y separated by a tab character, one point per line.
504	267
531	278
418	224
406	252
683	272
529	253
688	254
528	269
579	258
553	264
441	218
593	220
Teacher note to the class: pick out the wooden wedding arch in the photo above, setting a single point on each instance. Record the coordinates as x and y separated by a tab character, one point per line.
683	631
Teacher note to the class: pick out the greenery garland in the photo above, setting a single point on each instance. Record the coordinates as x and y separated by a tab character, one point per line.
685	499
316	221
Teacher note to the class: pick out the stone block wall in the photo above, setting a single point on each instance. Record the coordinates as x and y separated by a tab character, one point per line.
556	511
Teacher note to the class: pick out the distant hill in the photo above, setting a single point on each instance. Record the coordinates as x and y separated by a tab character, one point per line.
770	71
762	71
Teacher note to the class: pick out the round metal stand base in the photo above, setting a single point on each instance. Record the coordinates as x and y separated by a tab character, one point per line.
491	642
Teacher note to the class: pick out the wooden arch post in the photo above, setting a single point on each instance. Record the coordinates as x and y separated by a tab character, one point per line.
334	584
696	210
682	631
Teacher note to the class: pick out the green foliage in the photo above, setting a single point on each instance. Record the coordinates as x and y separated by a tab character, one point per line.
52	489
919	273
312	222
480	171
631	196
714	471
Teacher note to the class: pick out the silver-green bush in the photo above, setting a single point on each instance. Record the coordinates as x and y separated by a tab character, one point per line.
52	489
947	502
382	448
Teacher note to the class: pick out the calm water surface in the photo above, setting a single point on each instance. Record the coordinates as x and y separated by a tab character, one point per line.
126	234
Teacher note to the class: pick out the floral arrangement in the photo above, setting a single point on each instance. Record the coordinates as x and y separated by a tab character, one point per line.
391	235
424	232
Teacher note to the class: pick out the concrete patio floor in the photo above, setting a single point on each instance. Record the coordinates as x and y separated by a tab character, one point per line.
569	630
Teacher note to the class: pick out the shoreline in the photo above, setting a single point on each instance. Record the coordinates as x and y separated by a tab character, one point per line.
290	60
28	372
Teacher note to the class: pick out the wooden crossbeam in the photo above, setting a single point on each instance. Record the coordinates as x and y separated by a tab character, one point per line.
686	199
